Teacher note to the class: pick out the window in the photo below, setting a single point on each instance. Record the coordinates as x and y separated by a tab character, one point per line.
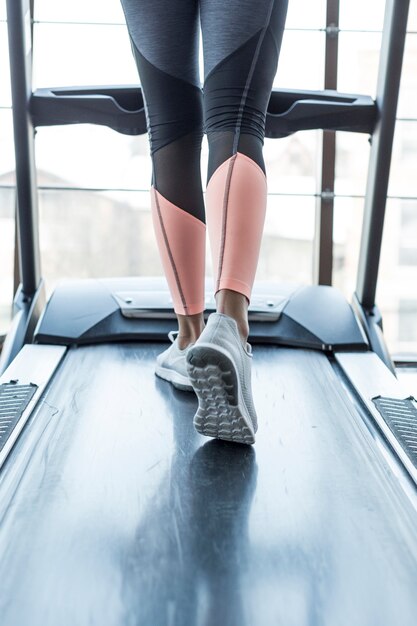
407	321
408	234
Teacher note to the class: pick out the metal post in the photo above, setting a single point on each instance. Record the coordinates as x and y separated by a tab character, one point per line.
392	51
30	296
323	254
16	261
19	19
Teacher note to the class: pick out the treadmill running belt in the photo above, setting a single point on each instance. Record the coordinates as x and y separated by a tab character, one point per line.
115	511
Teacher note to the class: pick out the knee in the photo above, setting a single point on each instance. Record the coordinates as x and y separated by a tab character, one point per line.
237	90
173	107
173	113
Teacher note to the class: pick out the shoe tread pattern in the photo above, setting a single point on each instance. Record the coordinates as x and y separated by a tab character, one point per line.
215	381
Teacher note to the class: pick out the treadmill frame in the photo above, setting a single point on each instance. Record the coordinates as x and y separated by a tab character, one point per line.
29	299
288	112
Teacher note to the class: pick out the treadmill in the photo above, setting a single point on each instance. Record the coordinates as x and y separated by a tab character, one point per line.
114	510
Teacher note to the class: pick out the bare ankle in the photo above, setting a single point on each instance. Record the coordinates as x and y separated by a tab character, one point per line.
190	328
234	305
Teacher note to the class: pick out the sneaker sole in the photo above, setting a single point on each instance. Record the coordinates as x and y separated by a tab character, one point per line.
176	379
221	411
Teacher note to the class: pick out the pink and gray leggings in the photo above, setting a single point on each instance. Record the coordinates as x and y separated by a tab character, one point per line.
241	44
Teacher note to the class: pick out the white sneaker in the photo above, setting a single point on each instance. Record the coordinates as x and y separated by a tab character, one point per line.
171	366
219	368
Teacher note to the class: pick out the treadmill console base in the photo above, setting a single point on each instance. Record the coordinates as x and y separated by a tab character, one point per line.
140	309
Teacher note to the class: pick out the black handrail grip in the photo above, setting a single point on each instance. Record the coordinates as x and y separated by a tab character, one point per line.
122	108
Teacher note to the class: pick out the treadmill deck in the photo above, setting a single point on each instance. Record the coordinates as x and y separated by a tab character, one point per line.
114	511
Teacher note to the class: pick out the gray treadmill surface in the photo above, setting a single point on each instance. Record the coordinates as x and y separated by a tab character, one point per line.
116	512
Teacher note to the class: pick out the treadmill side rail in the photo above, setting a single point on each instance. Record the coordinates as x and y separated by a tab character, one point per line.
371	378
371	323
33	366
26	314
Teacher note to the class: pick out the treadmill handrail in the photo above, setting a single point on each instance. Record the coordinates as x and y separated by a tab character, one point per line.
122	109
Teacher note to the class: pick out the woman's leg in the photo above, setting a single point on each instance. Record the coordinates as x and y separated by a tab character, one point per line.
241	40
241	50
164	36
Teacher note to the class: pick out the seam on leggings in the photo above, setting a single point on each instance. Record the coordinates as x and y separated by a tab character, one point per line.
250	76
220	64
236	141
198	125
171	258
183	80
224	221
194	131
